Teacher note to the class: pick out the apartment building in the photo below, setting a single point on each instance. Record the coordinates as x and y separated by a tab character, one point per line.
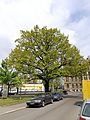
72	84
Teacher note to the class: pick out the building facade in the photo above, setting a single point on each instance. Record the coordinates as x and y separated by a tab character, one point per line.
72	84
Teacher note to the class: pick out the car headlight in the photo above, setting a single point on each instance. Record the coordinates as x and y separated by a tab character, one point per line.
37	101
55	96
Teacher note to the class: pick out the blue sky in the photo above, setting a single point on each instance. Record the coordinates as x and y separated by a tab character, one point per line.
72	17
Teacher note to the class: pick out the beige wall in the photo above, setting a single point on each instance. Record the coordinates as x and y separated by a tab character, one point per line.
72	84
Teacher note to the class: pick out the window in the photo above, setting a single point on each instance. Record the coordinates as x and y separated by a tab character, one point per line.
76	85
86	110
67	85
72	85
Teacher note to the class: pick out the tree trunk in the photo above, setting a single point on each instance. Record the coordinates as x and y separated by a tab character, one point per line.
8	89
17	90
47	86
5	91
52	86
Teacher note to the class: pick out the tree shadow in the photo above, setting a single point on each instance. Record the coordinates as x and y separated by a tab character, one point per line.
79	103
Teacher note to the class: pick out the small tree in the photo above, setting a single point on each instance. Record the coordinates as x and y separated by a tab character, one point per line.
7	75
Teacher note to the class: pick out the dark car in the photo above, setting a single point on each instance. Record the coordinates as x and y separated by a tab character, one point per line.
57	96
0	93
40	100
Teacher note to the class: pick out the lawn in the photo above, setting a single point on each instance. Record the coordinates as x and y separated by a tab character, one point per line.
13	100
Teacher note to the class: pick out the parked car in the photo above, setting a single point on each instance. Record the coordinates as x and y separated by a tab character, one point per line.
40	100
57	96
85	111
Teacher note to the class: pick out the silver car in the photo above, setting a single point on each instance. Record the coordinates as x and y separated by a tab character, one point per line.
85	111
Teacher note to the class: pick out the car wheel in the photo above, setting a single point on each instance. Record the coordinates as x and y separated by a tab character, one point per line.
51	101
43	103
28	106
62	98
58	99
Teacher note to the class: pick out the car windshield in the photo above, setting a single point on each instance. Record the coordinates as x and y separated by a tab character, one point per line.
55	93
40	95
86	110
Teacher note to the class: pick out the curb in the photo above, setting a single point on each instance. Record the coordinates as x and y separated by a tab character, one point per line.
12	110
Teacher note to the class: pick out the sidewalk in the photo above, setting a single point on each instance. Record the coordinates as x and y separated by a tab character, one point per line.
12	108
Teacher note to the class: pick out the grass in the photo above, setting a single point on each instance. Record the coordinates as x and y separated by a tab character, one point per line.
13	100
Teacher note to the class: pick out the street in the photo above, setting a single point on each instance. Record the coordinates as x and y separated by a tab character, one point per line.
66	109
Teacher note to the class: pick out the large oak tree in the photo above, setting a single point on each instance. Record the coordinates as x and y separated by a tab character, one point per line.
43	53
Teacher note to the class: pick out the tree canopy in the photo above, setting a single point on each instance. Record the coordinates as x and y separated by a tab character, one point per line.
44	54
6	75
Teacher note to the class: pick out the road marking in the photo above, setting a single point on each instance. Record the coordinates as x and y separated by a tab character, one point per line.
10	111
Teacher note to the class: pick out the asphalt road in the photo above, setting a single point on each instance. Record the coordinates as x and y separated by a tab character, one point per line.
66	109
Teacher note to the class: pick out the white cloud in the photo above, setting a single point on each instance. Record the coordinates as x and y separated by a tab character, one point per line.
71	17
5	47
16	15
23	14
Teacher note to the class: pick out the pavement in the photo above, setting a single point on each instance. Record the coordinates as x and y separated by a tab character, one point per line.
12	108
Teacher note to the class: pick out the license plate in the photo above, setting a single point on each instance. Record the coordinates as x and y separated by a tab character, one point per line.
32	103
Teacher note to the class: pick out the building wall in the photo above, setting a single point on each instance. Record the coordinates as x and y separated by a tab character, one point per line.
72	84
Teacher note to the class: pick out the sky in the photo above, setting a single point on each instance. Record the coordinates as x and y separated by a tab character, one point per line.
72	17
